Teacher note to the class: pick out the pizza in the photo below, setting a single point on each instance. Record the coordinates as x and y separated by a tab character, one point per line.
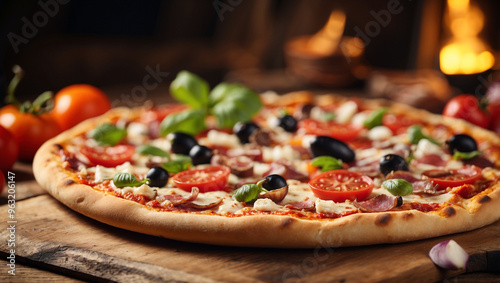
305	171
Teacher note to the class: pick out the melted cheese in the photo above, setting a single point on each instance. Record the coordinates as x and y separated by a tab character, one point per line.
265	204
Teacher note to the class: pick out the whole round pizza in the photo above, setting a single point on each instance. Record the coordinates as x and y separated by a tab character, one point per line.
230	167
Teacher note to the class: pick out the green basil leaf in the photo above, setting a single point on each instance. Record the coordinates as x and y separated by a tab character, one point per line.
398	187
232	103
179	164
190	89
151	150
466	155
190	121
375	118
108	134
127	180
415	134
247	193
327	163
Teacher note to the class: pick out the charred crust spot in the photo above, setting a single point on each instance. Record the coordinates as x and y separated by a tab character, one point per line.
407	216
286	222
80	199
383	219
58	146
484	199
449	211
68	182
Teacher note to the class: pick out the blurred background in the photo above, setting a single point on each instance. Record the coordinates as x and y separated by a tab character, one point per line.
408	51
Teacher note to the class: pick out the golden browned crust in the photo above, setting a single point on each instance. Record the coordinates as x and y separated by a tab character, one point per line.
266	230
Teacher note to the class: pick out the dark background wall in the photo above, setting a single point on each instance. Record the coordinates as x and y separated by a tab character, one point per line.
112	42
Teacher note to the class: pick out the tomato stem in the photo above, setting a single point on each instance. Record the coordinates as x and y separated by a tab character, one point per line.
18	76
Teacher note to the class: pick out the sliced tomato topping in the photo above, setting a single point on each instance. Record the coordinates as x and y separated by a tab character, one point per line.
343	132
452	178
397	123
213	178
341	185
109	156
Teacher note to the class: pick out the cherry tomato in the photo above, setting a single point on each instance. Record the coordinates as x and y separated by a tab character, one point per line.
397	123
343	132
109	156
2	182
76	103
10	150
341	185
30	131
466	106
453	178
213	178
494	110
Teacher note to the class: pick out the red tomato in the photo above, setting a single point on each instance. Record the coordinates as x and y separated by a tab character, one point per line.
453	178
494	110
30	131
109	156
343	132
397	123
76	103
466	106
2	182
213	178
340	185
10	150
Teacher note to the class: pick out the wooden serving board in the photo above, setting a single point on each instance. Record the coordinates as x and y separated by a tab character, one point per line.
52	237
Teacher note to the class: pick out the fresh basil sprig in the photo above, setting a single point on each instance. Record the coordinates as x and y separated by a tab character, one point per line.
179	164
415	134
249	192
327	163
466	155
228	103
151	150
398	187
375	118
108	134
122	180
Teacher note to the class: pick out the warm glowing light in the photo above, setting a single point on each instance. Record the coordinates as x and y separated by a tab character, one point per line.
465	53
327	40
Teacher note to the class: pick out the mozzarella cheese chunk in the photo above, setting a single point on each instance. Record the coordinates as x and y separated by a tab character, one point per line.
218	138
379	133
331	207
345	112
265	204
425	147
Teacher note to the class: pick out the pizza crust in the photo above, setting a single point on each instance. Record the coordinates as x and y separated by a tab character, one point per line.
273	231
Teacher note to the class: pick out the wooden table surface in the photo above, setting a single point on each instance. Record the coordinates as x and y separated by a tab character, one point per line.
53	243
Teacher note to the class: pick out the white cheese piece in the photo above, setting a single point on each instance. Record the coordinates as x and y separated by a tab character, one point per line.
146	191
317	113
161	143
265	204
260	168
298	193
346	112
306	140
331	207
229	206
270	154
215	137
359	118
379	133
425	147
102	173
137	133
428	199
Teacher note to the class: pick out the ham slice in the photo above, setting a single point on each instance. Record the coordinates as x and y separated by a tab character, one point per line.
379	204
180	199
301	205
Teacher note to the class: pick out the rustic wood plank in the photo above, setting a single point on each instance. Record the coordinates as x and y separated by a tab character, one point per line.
49	234
26	273
26	186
